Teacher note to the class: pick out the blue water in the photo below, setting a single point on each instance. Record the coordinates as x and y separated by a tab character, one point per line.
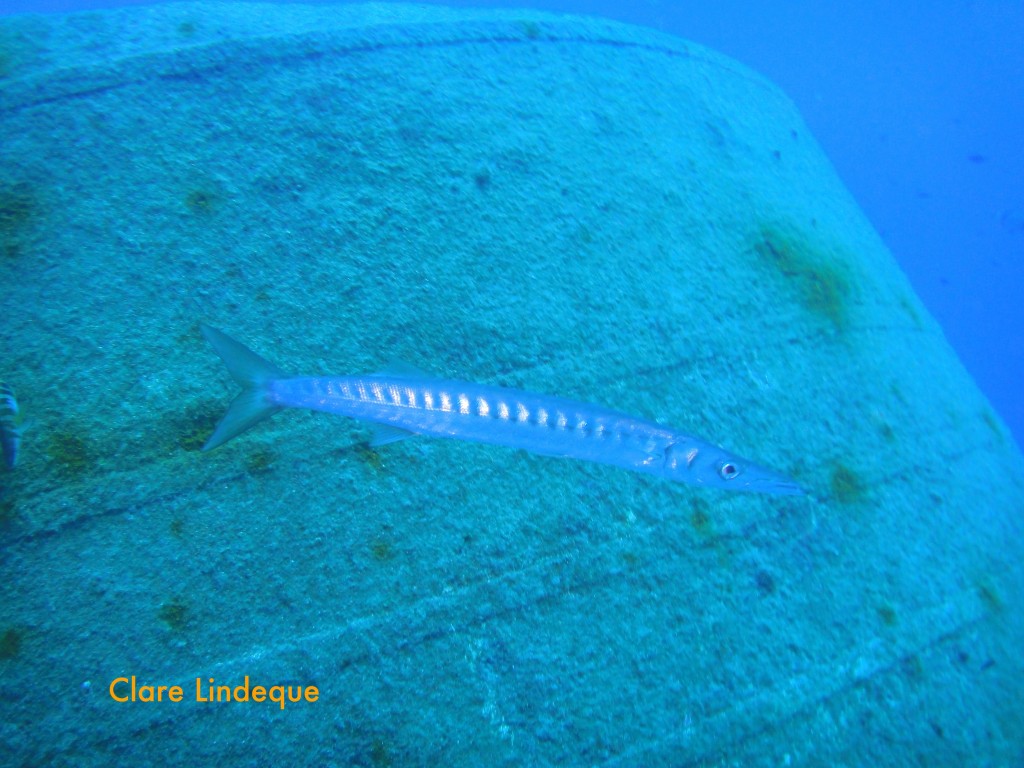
920	106
575	207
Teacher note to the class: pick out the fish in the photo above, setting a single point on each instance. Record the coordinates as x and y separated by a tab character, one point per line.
403	403
10	425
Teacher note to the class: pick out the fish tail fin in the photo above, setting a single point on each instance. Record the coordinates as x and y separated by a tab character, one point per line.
253	374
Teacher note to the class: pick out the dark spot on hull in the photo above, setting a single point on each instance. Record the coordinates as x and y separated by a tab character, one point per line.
818	275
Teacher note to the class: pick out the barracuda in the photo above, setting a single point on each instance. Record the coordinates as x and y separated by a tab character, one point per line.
408	404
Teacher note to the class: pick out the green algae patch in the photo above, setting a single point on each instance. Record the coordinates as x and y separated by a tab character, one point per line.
202	201
72	453
18	209
847	487
382	550
888	615
992	423
260	460
820	279
369	456
531	29
908	306
912	668
190	429
174	614
990	595
380	754
17	206
11	642
699	517
8	514
203	196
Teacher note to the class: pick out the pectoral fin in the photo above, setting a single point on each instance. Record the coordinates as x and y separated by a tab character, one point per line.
385	433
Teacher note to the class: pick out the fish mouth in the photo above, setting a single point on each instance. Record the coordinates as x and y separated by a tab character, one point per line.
779	486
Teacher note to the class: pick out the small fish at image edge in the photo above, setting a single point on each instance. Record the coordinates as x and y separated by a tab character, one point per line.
10	425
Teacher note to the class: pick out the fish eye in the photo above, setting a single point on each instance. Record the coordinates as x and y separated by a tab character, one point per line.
728	470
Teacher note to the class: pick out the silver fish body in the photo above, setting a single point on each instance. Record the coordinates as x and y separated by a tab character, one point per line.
539	423
10	429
